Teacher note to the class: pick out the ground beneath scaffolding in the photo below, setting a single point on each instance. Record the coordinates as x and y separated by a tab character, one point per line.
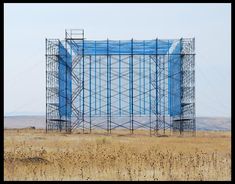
31	154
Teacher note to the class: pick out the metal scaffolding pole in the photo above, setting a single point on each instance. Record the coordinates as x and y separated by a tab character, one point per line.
108	90
83	86
144	75
132	85
156	84
66	85
119	77
46	85
95	78
90	92
150	105
140	86
100	86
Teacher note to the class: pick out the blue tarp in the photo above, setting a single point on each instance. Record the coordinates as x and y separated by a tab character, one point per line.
174	83
65	91
112	47
122	47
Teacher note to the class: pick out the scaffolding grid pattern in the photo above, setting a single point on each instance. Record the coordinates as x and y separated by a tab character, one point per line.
127	84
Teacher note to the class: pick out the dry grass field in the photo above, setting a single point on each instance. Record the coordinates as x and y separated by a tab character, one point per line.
35	155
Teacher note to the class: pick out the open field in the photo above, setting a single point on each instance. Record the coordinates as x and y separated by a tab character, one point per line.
35	155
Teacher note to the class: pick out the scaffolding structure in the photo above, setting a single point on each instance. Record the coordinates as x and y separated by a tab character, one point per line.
120	84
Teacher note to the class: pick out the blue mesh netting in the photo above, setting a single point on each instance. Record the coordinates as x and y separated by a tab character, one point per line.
94	48
102	47
174	91
65	92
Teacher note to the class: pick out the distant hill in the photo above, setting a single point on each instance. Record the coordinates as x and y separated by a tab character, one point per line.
217	123
202	123
24	121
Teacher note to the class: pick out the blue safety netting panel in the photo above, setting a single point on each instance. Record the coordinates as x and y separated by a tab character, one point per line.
174	84
123	47
142	48
65	82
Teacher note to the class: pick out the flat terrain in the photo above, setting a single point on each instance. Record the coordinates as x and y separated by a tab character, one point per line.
34	155
202	123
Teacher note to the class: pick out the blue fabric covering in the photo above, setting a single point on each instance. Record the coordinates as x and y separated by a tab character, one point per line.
64	91
122	47
174	90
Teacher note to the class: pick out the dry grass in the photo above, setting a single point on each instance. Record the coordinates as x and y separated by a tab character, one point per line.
34	155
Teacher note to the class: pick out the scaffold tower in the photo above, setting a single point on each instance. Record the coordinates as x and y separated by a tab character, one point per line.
120	84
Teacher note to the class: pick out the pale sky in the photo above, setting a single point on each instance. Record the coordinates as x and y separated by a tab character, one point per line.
27	25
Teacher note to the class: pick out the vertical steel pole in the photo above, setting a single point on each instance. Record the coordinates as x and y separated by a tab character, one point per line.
144	76
156	85
90	93
71	89
110	94
140	85
95	77
66	82
194	103
119	76
181	79
80	83
83	87
107	88
150	104
46	84
100	84
61	55
130	90
169	91
132	86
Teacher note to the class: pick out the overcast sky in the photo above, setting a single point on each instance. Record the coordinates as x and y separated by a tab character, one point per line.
27	25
